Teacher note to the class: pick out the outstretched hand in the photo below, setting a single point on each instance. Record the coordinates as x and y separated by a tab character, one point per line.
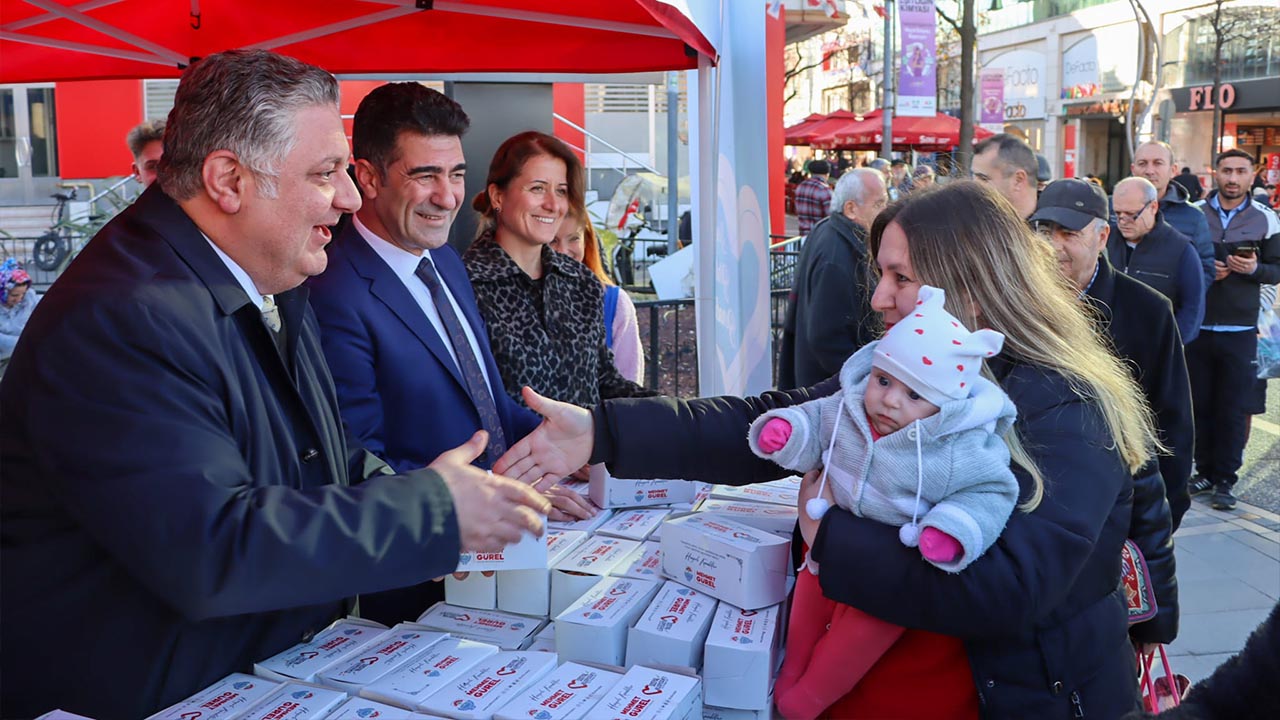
493	511
555	449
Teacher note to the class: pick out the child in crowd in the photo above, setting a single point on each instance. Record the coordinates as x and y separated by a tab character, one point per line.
914	439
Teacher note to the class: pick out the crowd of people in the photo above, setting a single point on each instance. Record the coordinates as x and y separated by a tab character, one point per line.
288	391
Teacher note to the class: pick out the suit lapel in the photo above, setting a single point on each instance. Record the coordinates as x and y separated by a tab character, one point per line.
391	292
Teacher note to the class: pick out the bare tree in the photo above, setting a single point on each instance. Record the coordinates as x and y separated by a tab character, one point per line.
794	72
1230	25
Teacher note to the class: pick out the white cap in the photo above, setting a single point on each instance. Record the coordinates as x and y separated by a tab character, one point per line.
933	353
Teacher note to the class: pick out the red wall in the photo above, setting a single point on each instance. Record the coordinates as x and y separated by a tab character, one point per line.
775	43
94	116
569	101
353	91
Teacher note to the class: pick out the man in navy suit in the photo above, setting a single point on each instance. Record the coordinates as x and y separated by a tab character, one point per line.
178	499
399	323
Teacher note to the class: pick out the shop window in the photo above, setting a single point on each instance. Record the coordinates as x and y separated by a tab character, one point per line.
1249	53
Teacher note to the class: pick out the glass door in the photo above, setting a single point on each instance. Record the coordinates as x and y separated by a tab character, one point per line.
28	144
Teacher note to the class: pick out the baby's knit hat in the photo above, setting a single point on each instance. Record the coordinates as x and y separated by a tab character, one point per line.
933	353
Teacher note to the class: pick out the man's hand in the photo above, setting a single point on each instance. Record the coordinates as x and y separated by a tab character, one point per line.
1220	270
1242	265
808	491
555	449
493	511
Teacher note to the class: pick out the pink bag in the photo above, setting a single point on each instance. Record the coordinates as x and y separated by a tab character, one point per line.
1159	694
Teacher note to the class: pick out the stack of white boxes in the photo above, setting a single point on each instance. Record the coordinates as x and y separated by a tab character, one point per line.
665	605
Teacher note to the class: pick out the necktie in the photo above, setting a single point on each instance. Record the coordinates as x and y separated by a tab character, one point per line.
271	313
467	361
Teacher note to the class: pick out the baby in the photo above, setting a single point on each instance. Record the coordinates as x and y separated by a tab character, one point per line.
913	439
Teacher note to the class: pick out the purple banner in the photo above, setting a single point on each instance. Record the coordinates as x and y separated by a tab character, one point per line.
917	70
991	96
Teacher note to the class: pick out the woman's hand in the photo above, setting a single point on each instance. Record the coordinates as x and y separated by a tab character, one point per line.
567	505
555	449
808	491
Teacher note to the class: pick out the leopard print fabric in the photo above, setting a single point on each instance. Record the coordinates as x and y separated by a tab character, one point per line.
559	351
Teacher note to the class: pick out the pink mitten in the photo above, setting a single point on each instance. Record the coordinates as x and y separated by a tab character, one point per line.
774	434
937	546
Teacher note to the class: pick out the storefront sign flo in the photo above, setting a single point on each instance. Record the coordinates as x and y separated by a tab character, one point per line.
1202	98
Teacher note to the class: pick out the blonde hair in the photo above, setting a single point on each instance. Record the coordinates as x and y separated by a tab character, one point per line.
968	240
590	245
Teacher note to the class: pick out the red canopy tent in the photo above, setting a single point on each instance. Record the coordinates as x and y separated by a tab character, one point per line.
51	40
794	135
924	134
821	127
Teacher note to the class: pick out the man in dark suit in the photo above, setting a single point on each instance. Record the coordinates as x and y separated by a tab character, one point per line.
399	323
1072	214
178	497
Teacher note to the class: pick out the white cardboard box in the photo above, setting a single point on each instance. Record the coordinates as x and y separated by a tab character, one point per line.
762	492
672	629
645	562
490	685
305	661
594	629
358	708
777	519
506	630
723	713
441	664
545	640
565	694
297	700
476	591
582	568
652	694
587	526
726	559
230	697
610	492
529	552
528	592
634	523
397	648
741	656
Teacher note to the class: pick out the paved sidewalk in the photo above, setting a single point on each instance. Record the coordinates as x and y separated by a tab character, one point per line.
1228	581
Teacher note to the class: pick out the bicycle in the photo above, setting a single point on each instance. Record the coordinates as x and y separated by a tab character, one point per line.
65	238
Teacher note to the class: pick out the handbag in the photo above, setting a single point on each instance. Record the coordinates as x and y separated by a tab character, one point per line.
1162	693
1135	581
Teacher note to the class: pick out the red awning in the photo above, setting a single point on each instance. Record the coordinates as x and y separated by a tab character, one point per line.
823	126
50	40
928	134
795	134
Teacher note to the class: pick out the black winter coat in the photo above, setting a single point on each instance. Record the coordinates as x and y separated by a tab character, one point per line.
1140	322
1041	614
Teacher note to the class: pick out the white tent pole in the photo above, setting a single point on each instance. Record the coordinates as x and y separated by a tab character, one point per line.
41	19
90	49
539	17
337	27
109	30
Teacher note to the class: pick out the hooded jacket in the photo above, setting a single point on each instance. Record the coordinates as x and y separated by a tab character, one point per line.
949	471
1186	218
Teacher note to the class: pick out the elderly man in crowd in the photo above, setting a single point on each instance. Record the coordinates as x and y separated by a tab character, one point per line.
829	315
208	512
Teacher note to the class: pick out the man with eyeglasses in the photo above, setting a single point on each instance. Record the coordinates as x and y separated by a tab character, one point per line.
1145	247
1072	215
1153	160
1223	360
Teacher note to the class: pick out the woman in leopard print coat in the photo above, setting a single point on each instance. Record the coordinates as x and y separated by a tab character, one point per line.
544	310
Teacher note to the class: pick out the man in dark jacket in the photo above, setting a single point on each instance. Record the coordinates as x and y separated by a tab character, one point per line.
1072	213
1153	160
179	500
1190	183
1143	246
829	313
1223	360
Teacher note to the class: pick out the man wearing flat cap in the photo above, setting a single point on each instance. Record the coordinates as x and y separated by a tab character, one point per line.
1072	214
